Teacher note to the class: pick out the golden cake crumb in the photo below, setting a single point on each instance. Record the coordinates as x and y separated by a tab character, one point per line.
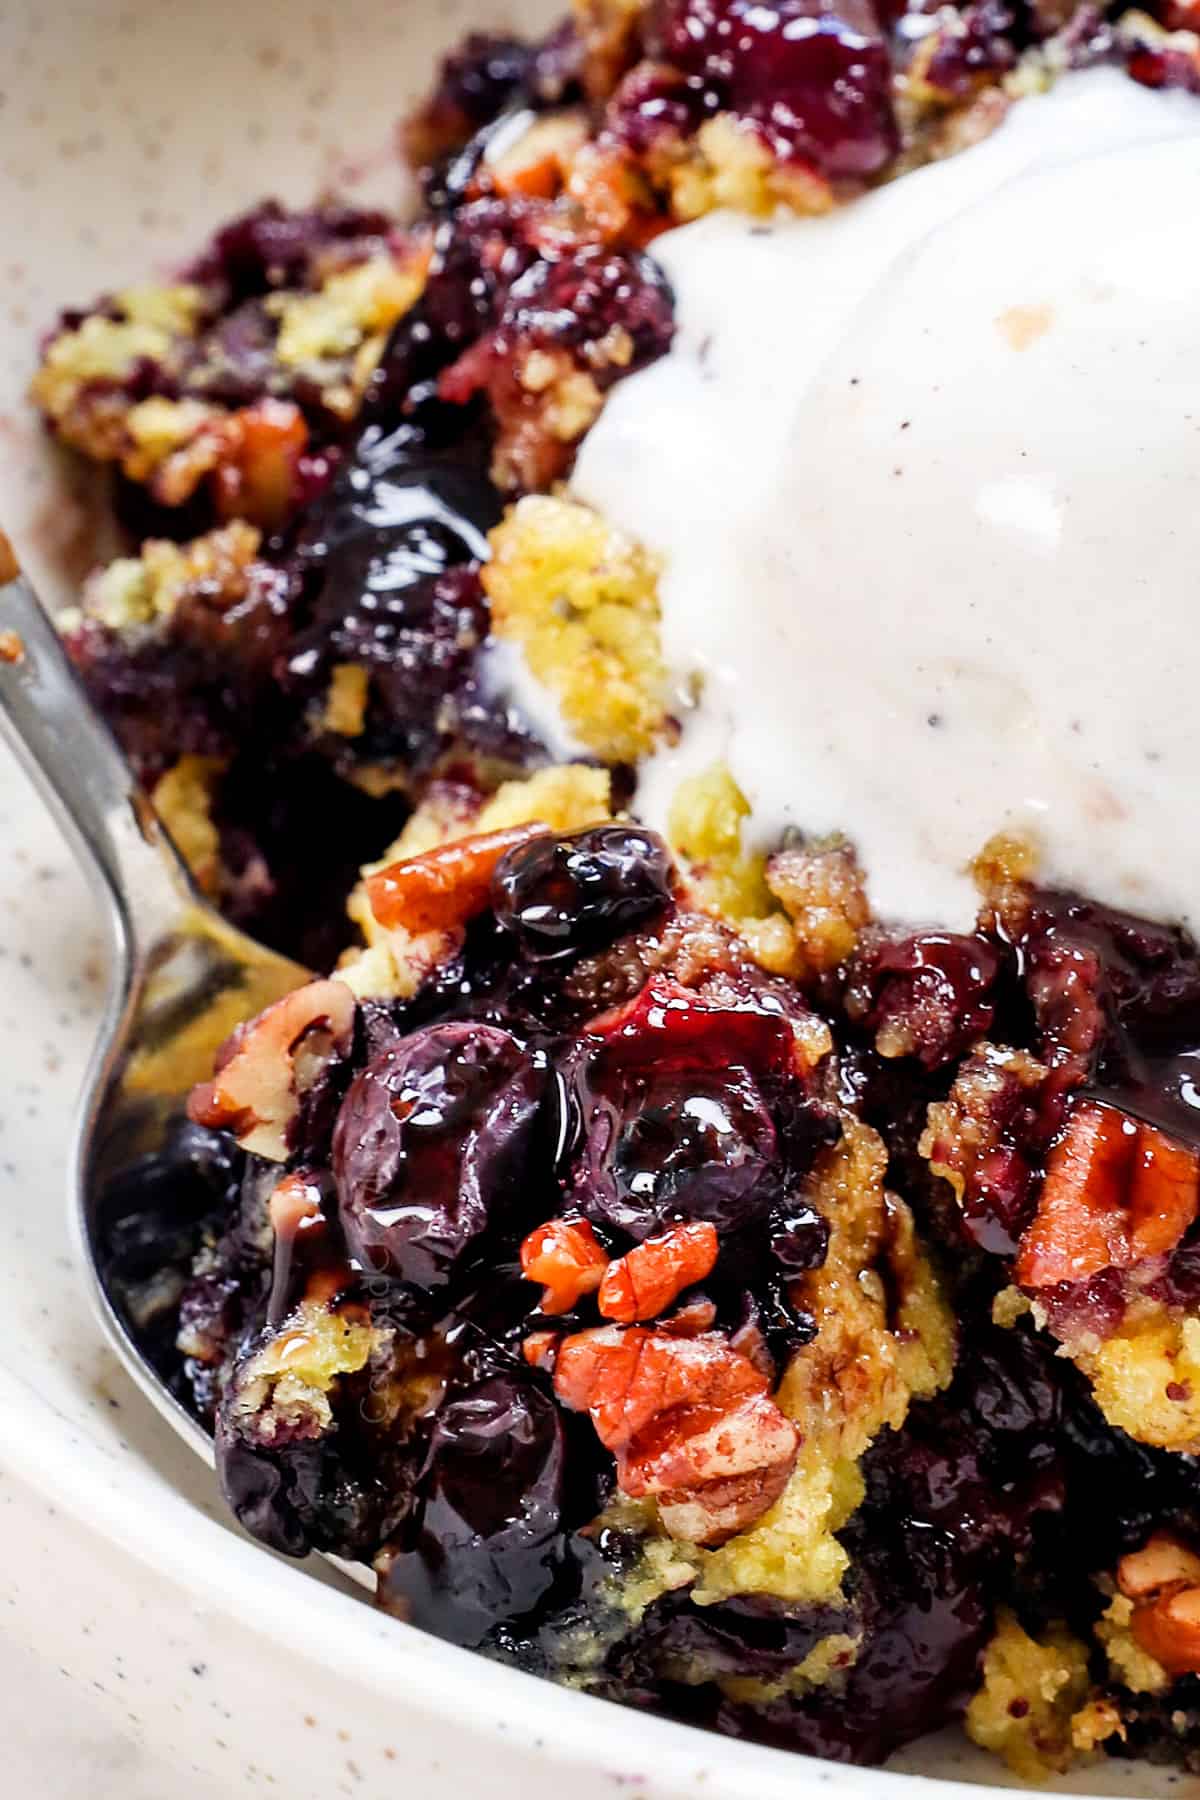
731	166
705	824
581	600
1009	1305
346	323
146	589
1031	1690
1132	1666
820	887
565	797
858	1375
286	1385
182	798
152	322
1146	1377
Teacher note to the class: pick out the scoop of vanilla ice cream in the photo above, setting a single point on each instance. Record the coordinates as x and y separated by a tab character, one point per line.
924	474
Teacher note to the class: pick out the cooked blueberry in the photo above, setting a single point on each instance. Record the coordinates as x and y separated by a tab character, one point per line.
655	102
815	83
999	1200
750	1634
152	1218
689	1145
1117	1002
489	1543
293	1497
271	247
579	298
1180	1284
432	1140
559	896
669	1026
767	1319
1165	68
799	1237
930	995
978	42
690	1109
475	79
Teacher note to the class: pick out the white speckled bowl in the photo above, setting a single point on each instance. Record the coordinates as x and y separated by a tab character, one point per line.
145	1647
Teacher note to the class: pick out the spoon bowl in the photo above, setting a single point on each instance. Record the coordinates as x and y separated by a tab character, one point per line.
183	977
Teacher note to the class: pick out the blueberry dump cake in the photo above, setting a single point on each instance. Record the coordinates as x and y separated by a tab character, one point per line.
680	636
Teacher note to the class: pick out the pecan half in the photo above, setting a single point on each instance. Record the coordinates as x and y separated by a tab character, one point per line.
1116	1192
443	889
643	1283
689	1421
269	1063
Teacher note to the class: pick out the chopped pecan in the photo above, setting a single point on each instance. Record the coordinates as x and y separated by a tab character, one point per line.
689	1421
696	1316
1162	1562
443	889
295	1202
1163	1581
1168	1629
537	163
270	1062
540	1349
255	477
1116	1192
748	1340
565	1256
643	1283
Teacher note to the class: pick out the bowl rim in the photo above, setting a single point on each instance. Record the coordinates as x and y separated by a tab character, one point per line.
571	1730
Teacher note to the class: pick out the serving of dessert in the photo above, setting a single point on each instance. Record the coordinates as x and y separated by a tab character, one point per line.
685	636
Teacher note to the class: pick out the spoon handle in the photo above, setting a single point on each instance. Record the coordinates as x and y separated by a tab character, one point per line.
75	764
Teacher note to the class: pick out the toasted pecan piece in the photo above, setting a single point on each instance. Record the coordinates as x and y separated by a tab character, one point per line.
1116	1191
268	1064
536	164
565	1256
444	888
1168	1629
1162	1562
1163	1581
643	1283
696	1316
689	1421
295	1202
255	477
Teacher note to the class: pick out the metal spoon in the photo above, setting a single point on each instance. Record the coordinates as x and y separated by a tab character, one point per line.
182	976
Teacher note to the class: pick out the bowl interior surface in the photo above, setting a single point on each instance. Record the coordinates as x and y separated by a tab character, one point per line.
128	131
